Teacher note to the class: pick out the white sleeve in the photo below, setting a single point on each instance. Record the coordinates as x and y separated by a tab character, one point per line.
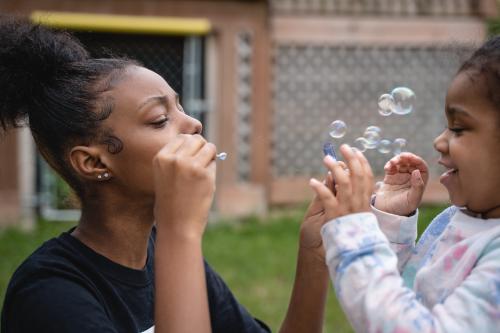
401	231
364	271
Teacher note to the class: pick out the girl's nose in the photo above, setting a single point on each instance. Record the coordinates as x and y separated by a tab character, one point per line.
441	143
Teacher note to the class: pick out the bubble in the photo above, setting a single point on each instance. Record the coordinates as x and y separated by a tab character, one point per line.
221	156
398	145
373	129
404	100
384	146
338	129
372	136
360	144
386	105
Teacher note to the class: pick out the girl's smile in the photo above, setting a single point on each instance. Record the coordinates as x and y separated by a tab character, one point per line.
470	146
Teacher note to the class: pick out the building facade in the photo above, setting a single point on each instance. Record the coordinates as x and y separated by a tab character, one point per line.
266	78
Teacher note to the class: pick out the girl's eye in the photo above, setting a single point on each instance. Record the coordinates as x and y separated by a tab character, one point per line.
160	123
456	130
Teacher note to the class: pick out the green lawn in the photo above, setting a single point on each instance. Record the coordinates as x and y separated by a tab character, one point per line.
256	258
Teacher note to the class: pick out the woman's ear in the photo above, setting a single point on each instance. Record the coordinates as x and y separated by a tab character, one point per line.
87	163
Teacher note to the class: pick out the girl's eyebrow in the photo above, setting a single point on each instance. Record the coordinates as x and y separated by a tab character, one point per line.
453	111
162	99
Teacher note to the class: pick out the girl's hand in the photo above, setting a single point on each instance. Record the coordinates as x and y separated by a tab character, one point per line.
353	187
184	176
406	176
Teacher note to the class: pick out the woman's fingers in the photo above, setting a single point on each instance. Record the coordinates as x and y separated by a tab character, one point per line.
327	198
206	154
191	145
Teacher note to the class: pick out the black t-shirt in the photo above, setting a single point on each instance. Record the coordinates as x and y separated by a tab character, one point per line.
64	286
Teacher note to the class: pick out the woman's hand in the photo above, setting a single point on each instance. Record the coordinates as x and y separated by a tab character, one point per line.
406	176
310	237
184	176
353	186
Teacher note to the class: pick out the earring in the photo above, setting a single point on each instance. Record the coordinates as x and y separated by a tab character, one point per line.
103	176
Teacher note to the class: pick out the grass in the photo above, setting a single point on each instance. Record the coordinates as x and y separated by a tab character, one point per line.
256	259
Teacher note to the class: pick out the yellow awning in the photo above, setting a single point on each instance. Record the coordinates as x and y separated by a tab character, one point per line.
123	23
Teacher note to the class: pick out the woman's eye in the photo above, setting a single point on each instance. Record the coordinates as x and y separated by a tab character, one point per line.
160	123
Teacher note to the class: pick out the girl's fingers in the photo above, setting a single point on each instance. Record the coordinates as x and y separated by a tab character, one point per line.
340	177
355	168
417	163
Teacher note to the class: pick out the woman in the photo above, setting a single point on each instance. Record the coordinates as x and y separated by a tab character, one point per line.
115	131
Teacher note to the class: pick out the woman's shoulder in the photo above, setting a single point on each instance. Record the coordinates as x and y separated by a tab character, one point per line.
52	257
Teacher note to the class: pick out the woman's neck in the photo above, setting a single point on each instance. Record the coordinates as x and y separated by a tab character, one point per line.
120	232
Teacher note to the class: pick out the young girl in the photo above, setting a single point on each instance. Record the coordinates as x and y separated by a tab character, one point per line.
115	131
450	280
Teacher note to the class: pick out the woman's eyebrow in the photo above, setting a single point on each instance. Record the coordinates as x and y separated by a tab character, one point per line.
162	99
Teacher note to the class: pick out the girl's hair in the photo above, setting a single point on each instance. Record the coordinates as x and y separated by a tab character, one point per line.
49	81
485	62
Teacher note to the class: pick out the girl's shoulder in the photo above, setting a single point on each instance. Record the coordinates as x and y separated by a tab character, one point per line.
436	227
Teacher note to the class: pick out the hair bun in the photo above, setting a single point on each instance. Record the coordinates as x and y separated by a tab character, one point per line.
31	57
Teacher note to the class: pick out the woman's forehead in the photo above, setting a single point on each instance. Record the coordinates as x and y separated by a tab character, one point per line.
140	84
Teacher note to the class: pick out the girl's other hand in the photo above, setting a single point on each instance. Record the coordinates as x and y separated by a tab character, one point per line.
184	176
353	186
406	176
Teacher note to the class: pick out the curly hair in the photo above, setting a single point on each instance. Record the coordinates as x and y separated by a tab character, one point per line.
485	62
49	82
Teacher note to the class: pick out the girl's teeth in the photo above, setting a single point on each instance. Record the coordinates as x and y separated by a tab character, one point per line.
451	171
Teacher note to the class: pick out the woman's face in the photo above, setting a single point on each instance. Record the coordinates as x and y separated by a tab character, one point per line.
470	146
146	116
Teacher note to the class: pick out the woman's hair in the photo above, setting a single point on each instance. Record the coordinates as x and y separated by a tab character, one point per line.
485	62
49	82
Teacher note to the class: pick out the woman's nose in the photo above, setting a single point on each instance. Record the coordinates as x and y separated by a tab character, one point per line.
192	125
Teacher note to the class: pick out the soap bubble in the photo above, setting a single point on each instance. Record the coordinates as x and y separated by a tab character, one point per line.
337	129
221	156
373	129
398	145
372	136
386	105
360	144
404	100
384	146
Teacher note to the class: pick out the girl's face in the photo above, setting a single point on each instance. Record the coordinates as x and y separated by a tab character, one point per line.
146	116
470	146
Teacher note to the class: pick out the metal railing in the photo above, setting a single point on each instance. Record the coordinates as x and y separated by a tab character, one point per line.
378	7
